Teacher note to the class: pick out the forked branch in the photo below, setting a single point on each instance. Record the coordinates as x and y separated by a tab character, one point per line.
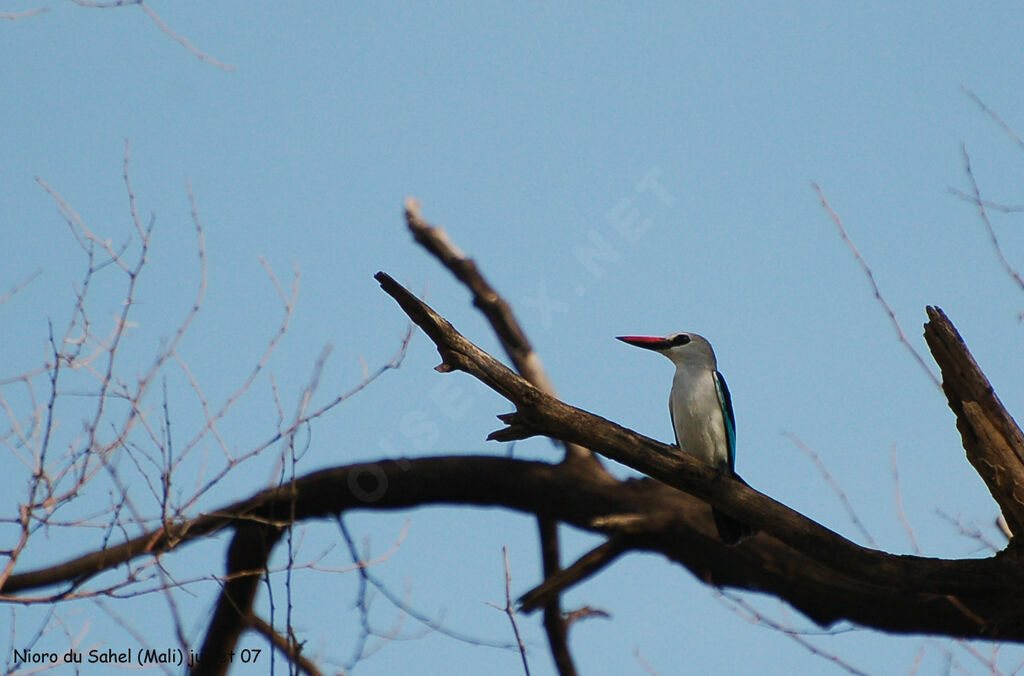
538	413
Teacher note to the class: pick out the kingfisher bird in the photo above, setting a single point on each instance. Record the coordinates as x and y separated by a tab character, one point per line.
701	411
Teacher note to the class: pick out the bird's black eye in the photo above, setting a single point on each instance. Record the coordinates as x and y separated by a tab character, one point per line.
680	339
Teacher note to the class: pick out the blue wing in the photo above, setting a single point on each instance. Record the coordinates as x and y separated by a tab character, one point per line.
725	401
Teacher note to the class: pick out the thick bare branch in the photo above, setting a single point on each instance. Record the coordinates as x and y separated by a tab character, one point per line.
968	598
993	441
548	416
247	561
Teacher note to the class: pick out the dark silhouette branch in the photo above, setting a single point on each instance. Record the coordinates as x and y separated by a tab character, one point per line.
247	562
586	566
555	627
968	598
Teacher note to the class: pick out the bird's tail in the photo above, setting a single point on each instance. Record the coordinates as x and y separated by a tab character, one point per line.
731	531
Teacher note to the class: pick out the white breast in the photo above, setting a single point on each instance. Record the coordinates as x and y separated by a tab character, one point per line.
697	416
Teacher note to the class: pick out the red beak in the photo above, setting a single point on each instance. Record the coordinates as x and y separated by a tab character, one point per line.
646	342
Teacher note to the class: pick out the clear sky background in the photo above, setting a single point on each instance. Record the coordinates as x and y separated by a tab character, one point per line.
528	130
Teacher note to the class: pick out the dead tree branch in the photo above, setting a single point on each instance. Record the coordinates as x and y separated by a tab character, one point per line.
825	576
538	413
968	598
528	364
993	441
495	308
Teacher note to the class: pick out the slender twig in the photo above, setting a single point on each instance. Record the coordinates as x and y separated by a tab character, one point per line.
510	610
983	215
493	306
899	502
164	28
995	116
422	618
988	204
647	666
969	531
833	484
14	16
20	285
874	285
756	617
181	40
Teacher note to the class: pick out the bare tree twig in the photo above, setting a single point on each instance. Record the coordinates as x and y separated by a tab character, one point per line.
510	611
20	285
644	663
164	28
979	203
874	285
182	41
495	308
754	616
14	16
899	503
420	617
988	204
970	531
995	116
833	484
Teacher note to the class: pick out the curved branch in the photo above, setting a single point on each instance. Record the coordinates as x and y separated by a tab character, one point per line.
966	598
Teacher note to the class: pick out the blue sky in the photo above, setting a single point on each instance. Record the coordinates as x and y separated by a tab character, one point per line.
533	133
